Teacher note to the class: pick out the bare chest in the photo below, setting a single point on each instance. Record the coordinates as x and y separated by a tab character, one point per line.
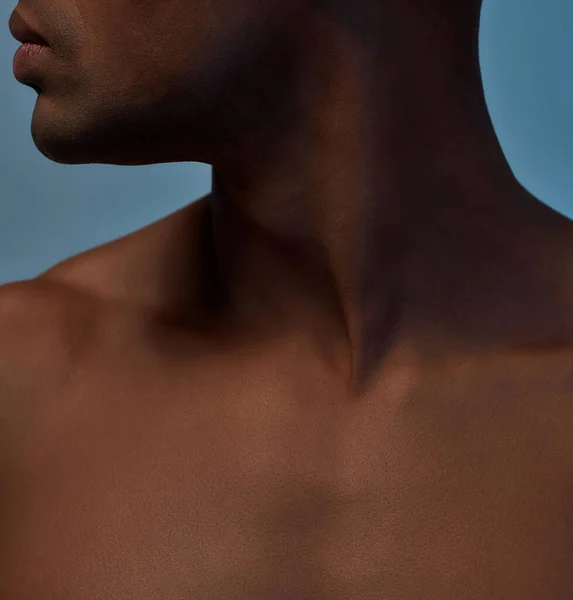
132	485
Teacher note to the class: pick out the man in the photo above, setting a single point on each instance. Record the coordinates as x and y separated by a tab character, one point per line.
343	374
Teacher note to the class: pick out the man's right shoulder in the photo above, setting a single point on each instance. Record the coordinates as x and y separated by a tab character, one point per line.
41	324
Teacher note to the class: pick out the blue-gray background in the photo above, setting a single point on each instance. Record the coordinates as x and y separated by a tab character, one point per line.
50	211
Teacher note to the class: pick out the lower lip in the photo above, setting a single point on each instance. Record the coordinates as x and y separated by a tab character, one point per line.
28	59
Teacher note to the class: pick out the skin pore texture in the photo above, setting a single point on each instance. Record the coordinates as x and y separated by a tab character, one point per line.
342	374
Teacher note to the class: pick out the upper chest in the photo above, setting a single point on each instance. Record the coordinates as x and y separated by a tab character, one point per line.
232	481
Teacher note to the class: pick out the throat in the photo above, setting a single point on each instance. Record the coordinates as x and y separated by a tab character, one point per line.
437	283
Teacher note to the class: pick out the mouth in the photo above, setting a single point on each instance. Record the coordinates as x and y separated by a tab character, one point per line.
23	32
29	63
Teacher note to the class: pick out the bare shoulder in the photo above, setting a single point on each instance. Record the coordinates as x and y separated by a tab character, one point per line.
131	269
42	324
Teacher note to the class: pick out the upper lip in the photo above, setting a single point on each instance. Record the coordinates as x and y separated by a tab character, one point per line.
23	32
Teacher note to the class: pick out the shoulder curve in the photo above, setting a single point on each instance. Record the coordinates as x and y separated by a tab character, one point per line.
41	325
26	305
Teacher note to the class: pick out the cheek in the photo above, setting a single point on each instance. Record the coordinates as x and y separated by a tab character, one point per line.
135	45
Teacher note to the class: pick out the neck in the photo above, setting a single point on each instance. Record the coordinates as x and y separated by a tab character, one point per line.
379	204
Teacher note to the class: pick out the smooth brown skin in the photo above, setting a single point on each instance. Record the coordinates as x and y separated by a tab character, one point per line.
345	374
